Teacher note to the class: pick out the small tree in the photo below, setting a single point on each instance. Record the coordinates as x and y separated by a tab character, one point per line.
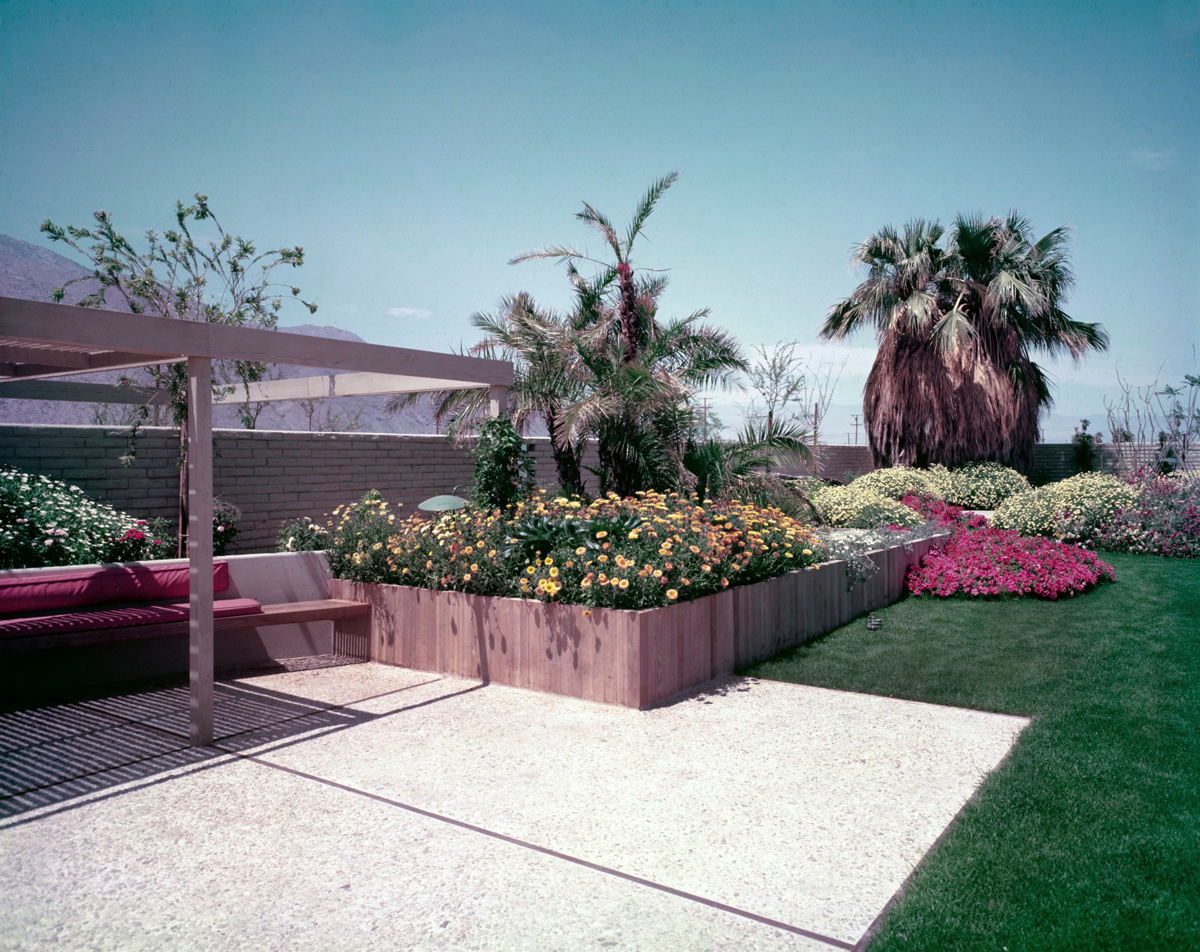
224	280
790	389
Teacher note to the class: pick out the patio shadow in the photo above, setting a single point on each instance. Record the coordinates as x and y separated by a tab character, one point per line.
56	754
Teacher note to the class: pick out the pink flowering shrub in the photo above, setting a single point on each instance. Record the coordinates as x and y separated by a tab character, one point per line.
1164	519
998	562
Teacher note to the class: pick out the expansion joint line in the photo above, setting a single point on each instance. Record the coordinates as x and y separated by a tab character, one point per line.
545	851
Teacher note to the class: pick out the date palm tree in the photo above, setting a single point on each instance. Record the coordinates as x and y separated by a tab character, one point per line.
957	316
636	373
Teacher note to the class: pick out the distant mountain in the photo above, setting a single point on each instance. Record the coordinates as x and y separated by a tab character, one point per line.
32	272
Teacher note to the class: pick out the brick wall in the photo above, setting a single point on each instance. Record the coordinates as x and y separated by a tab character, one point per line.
276	475
271	475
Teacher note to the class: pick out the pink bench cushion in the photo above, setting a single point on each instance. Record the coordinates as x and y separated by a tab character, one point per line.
72	588
120	617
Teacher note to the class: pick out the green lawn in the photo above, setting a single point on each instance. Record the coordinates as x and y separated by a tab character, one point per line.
1088	836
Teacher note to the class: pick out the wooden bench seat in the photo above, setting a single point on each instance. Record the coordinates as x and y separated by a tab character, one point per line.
327	609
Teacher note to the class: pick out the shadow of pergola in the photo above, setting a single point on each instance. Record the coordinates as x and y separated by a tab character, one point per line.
53	755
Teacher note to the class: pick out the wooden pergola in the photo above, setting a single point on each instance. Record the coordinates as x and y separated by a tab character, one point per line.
40	342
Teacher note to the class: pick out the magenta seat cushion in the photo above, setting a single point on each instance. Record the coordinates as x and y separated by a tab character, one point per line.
71	588
120	617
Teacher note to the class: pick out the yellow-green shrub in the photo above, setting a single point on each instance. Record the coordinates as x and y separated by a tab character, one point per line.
977	485
1073	510
862	507
896	482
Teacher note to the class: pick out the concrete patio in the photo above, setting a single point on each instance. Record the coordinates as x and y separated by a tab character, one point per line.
373	807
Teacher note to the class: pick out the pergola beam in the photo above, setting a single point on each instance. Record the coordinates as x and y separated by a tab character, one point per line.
340	385
79	392
146	334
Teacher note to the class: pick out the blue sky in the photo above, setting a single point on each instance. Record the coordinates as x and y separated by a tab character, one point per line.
412	149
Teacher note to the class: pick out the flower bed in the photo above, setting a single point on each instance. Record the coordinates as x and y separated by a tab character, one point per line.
634	553
628	657
997	562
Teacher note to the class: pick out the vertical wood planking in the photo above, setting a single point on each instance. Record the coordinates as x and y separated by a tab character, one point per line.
631	658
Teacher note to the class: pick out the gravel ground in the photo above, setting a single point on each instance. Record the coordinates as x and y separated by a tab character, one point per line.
370	807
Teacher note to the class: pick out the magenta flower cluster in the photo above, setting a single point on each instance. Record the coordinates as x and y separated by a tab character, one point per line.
941	512
999	562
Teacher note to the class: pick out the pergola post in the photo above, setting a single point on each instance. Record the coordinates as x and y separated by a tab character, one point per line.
497	400
200	550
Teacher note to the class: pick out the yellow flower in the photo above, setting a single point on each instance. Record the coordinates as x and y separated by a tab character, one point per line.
624	584
601	534
587	612
474	567
429	564
580	551
467	577
531	570
404	571
807	552
554	572
377	546
672	594
602	558
549	561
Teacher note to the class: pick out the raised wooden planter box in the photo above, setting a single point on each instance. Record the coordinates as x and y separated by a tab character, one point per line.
632	658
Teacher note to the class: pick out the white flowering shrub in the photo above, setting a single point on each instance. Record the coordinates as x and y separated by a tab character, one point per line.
303	535
44	521
977	485
1073	510
897	482
862	507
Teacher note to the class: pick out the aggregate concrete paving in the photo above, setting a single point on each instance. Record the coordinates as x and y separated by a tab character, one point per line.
371	807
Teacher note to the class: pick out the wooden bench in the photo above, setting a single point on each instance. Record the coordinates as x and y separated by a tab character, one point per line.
98	604
288	613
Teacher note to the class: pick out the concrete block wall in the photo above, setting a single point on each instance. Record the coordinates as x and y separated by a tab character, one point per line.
276	475
271	475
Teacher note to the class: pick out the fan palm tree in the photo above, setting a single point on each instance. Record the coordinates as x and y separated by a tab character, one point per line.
957	317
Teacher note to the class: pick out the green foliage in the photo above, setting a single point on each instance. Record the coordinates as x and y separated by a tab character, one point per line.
227	520
1073	510
536	535
303	535
977	485
503	467
721	468
862	507
896	482
1083	447
45	521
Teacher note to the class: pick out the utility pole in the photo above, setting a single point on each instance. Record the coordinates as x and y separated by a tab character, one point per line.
704	419
856	429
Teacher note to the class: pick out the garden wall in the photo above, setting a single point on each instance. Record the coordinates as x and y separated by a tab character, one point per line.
271	475
276	475
631	658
